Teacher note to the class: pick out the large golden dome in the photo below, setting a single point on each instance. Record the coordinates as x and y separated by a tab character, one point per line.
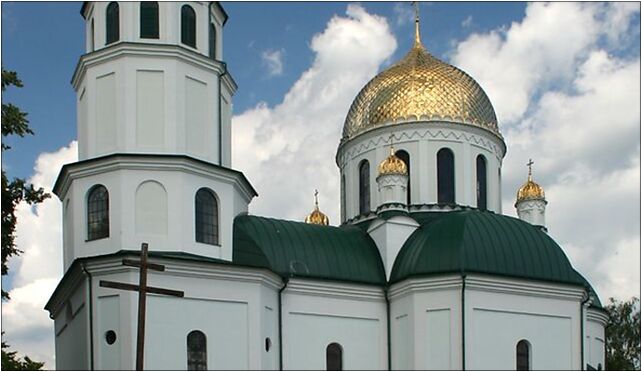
419	87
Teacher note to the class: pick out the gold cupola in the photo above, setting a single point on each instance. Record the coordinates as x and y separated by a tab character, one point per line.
530	190
392	165
317	217
419	87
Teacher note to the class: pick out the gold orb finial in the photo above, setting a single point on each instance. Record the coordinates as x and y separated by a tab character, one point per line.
317	217
392	164
530	190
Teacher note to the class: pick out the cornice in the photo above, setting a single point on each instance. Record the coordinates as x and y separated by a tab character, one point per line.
127	48
158	162
597	315
380	137
335	290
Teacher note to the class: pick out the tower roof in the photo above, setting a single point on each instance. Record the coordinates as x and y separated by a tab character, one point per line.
419	87
392	165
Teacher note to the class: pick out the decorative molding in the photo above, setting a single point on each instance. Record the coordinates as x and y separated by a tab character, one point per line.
598	316
415	132
418	285
335	290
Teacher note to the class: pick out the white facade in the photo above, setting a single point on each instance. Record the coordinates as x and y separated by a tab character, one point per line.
422	140
532	211
154	121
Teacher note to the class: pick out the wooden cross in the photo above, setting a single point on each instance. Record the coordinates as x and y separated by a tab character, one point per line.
142	290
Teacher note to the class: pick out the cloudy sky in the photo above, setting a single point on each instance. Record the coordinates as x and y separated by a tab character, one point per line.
564	79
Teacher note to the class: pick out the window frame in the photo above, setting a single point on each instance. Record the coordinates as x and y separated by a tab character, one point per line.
446	186
99	215
202	361
112	14
184	24
200	225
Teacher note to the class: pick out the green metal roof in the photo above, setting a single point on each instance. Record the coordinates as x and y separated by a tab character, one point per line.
291	248
476	241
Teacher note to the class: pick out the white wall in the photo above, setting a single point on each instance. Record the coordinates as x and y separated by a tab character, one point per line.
422	141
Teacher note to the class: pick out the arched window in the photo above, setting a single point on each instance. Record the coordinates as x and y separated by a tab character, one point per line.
343	197
445	176
212	41
148	20
334	357
206	218
97	213
482	191
91	38
405	157
364	187
112	30
196	351
188	26
523	356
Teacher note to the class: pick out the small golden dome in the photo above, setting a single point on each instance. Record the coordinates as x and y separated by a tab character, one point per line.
419	87
317	217
530	190
392	165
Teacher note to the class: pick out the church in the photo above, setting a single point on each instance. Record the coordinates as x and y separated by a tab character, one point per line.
422	272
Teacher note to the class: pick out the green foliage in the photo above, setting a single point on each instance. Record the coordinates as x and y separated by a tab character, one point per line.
14	122
10	362
623	335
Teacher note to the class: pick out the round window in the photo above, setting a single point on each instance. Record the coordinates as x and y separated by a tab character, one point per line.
110	337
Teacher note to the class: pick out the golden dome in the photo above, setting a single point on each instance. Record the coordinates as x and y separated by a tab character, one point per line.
530	190
419	87
392	165
317	217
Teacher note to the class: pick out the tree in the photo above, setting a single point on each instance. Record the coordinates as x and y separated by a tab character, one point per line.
14	122
623	335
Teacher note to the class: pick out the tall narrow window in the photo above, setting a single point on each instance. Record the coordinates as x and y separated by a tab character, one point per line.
482	194
212	41
112	23
405	157
343	197
97	213
445	176
188	26
364	187
91	37
334	357
148	20
196	351
206	219
523	356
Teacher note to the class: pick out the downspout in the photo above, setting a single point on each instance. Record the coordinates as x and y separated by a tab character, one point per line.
91	320
463	322
389	330
586	293
285	284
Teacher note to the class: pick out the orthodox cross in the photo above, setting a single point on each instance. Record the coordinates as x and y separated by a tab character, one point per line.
529	164
142	290
316	198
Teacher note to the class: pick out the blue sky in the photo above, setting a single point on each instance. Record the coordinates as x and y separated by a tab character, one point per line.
564	79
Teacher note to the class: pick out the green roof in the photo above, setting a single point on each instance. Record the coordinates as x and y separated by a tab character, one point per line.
292	249
474	241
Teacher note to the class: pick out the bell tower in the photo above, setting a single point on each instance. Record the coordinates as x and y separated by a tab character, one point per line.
154	108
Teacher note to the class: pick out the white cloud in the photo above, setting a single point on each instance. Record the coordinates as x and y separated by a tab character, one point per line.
564	99
467	22
404	12
287	150
38	270
273	60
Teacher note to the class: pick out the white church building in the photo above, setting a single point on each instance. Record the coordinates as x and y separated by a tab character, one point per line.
422	272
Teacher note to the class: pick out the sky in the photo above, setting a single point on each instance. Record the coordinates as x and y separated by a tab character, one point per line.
564	79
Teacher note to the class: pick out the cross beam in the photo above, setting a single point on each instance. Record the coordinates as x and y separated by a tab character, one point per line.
142	290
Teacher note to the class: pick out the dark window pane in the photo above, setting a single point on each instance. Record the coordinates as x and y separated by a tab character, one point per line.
97	213
188	26
212	41
112	23
482	194
196	351
343	198
445	177
405	157
206	217
523	356
334	357
364	187
149	20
